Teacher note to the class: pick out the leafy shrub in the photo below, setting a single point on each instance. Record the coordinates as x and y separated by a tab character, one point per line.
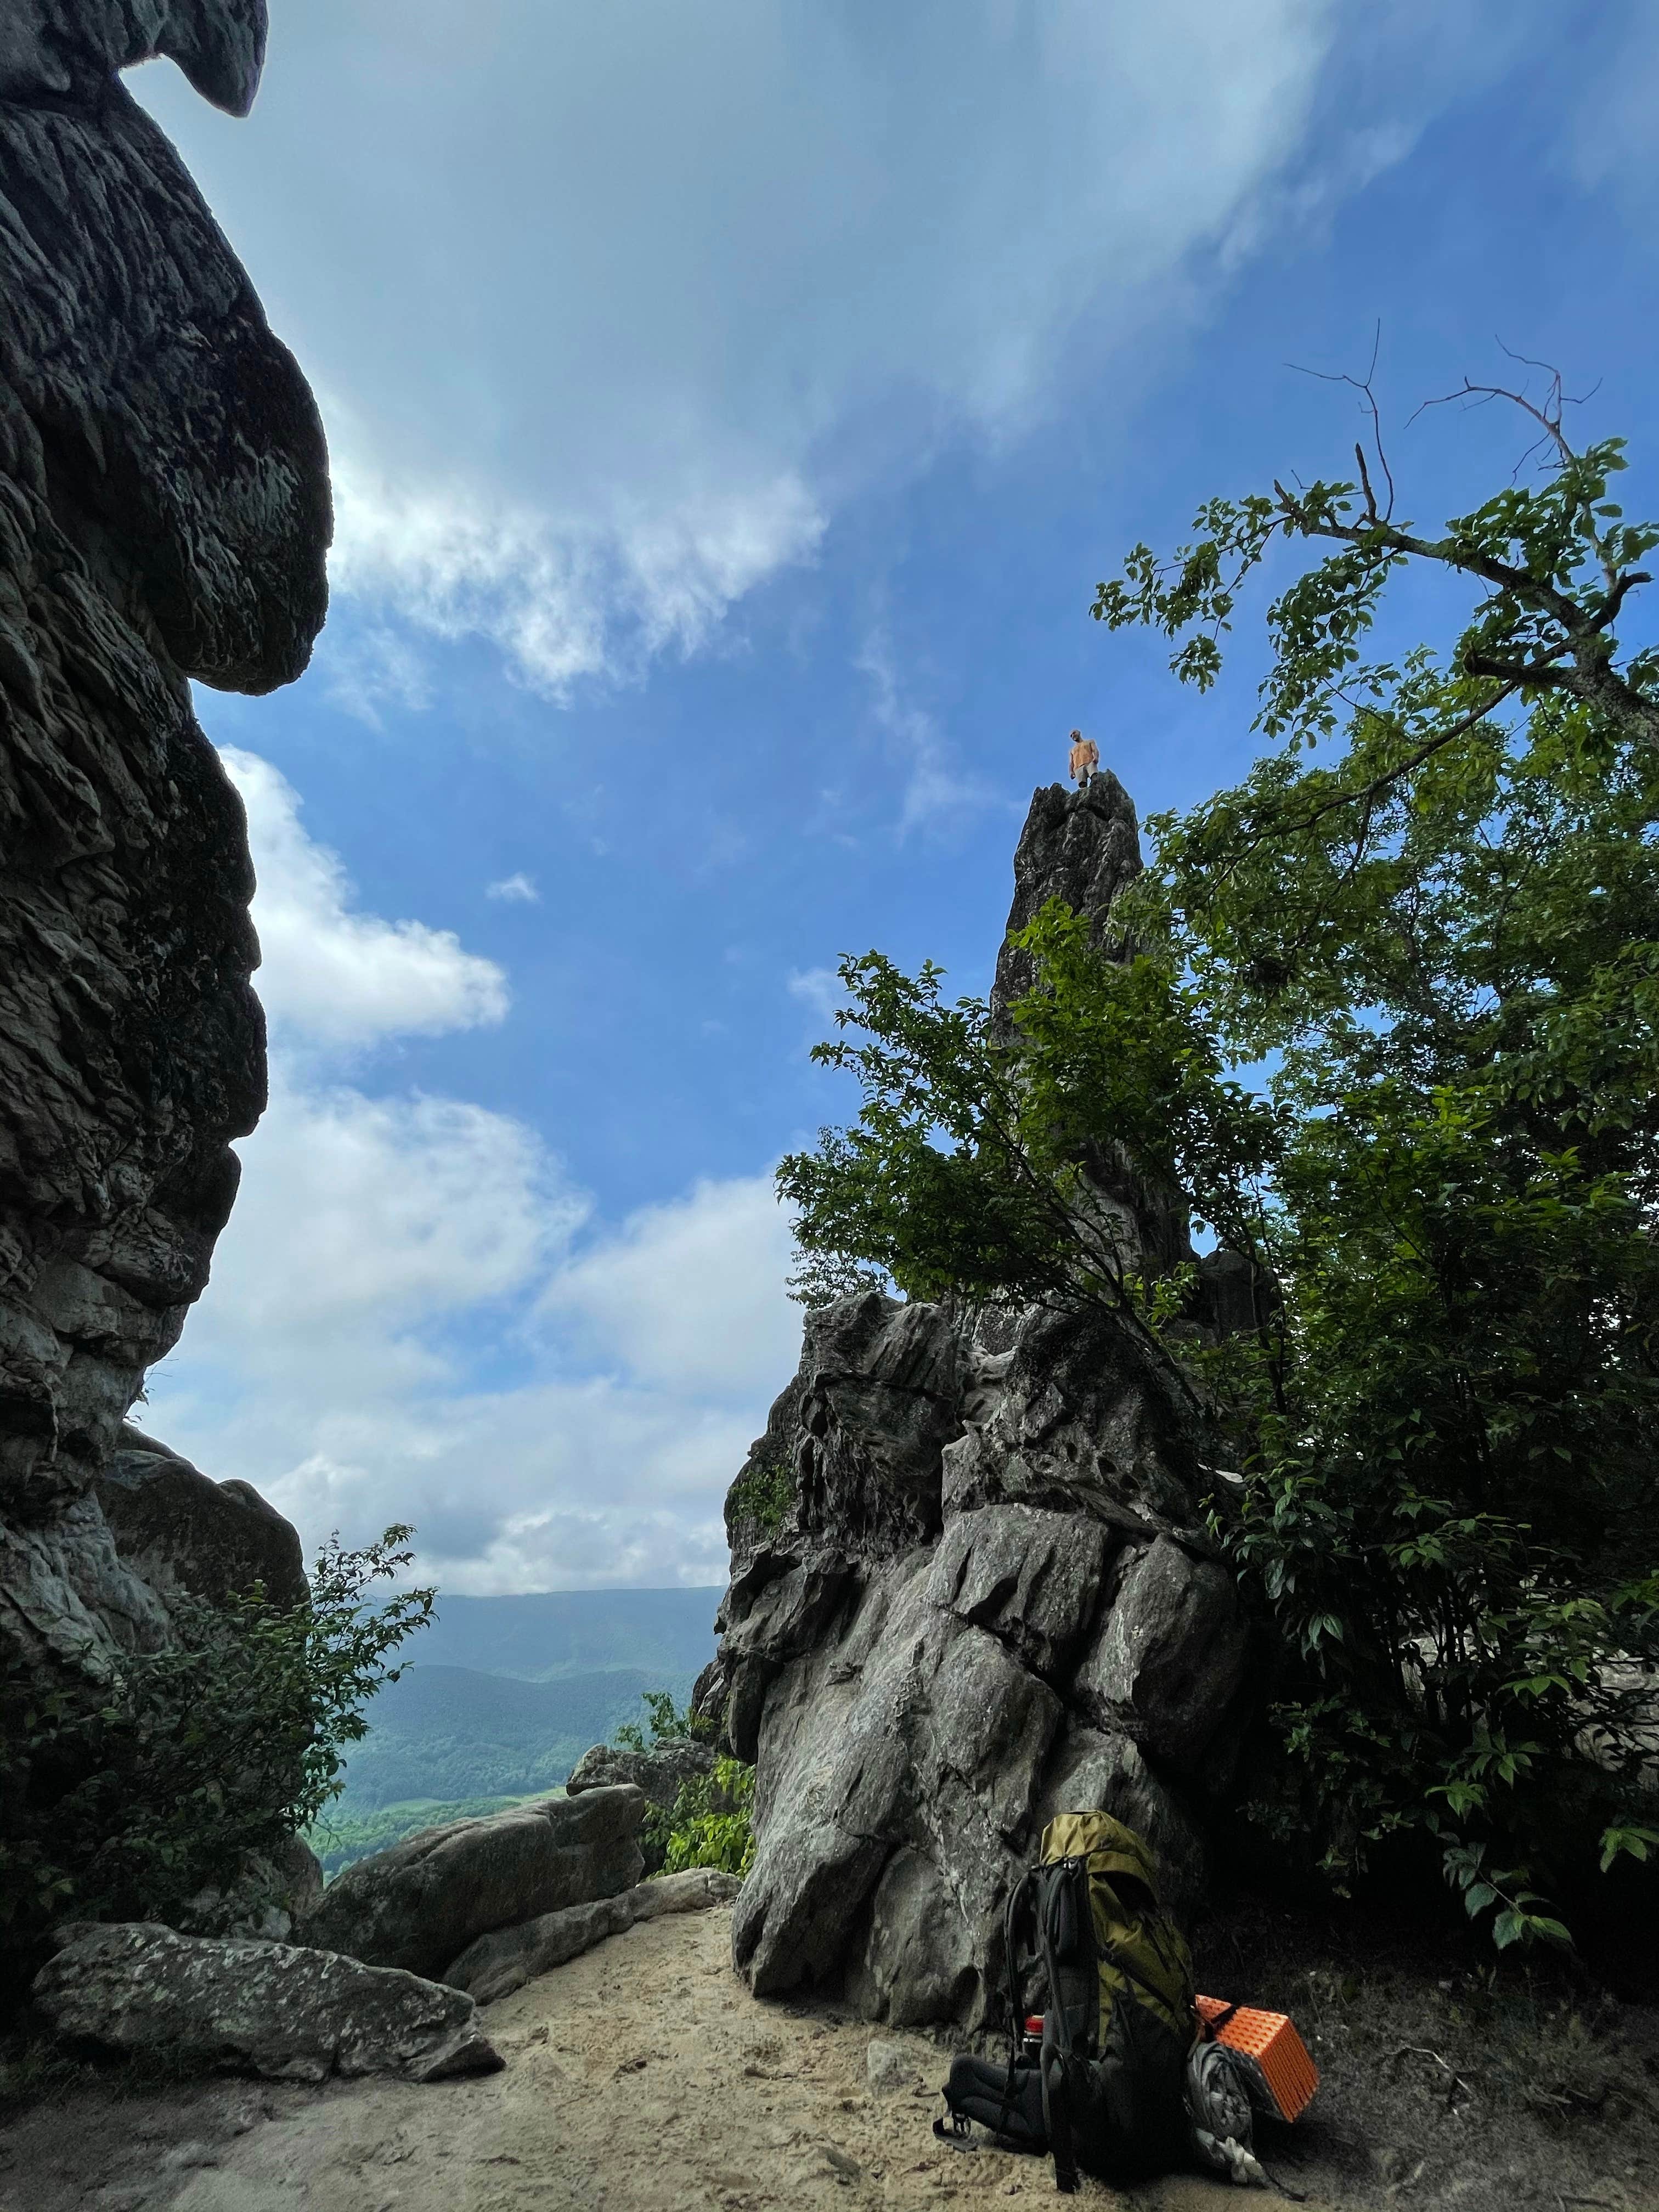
710	1825
122	1796
668	1723
763	1496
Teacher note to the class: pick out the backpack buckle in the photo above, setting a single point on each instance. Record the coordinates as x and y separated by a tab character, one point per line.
959	2134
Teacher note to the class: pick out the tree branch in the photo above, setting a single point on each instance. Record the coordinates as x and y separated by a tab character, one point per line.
1368	794
1529	674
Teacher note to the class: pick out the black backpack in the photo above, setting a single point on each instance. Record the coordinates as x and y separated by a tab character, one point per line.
1089	1947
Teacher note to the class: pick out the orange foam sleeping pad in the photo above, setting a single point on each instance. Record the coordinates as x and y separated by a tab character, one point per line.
1277	2055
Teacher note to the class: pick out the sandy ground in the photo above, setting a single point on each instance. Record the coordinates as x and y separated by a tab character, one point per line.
641	2077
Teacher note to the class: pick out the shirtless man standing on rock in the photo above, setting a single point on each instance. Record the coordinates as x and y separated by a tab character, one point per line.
1085	758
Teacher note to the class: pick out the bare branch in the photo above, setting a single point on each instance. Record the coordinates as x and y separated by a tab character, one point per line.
1548	419
1562	398
1620	586
1364	386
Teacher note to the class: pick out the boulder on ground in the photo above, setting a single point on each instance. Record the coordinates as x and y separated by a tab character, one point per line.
420	1903
268	1892
500	1963
661	1771
292	2015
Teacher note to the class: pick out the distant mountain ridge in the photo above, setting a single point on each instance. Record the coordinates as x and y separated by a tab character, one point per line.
500	1696
445	1732
548	1633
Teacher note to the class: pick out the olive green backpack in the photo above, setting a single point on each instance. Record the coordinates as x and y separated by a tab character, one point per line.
1090	1947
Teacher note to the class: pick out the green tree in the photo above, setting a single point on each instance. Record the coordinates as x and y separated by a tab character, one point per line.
124	1792
1439	951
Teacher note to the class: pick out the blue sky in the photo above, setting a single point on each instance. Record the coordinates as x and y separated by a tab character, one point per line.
733	407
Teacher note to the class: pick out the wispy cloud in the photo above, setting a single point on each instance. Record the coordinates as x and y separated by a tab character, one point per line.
818	988
562	597
517	890
940	786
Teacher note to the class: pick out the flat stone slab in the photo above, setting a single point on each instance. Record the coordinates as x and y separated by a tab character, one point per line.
277	2009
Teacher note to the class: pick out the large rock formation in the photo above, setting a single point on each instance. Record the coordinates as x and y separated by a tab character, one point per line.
182	1531
992	1599
164	515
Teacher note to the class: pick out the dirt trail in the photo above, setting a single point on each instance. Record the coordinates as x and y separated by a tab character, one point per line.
641	2077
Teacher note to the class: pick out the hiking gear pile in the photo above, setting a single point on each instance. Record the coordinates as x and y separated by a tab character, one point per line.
1112	2067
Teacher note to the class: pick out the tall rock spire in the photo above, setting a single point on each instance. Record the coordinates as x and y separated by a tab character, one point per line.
1080	845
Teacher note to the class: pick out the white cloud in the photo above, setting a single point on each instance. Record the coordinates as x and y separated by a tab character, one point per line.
333	977
517	890
363	1221
818	988
400	1325
938	789
384	1258
374	668
686	1296
562	596
613	308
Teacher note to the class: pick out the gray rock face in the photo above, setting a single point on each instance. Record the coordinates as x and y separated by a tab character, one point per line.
1168	1657
500	1963
181	1530
164	515
1081	845
269	2008
72	47
918	1709
991	1600
419	1905
662	1772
